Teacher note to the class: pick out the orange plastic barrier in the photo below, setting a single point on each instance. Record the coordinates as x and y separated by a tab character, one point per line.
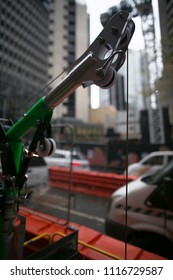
87	182
92	245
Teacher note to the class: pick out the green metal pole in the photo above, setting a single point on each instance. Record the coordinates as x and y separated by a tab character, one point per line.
36	115
10	192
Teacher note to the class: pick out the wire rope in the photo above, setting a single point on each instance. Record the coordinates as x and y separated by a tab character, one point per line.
127	150
37	95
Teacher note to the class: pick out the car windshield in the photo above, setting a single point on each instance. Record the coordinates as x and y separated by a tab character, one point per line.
155	178
77	156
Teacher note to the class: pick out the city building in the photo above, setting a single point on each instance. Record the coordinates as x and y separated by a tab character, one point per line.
24	27
117	96
68	39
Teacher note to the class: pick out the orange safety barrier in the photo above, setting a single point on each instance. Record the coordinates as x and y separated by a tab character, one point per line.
92	245
87	182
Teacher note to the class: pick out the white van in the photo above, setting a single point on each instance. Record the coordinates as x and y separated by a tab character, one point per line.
142	212
150	163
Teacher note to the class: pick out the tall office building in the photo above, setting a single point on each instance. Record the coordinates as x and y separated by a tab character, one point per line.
117	95
69	38
23	53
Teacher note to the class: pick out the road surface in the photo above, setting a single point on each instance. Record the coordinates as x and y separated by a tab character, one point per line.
86	210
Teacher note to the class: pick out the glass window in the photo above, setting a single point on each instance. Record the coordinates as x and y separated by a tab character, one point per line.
158	176
156	160
77	156
59	156
158	200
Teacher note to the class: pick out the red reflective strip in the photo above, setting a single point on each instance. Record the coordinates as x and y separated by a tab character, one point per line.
76	163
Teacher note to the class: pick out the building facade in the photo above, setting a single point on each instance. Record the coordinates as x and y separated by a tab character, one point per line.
69	38
23	54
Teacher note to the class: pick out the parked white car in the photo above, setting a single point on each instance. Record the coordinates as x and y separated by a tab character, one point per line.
150	163
64	158
143	214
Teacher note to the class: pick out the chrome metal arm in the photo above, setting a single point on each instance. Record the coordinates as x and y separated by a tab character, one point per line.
99	64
